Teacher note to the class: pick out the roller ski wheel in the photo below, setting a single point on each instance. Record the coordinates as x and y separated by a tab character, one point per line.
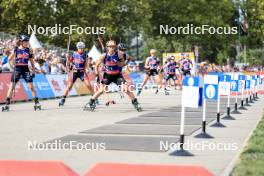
110	102
62	102
166	92
5	108
37	107
138	108
89	106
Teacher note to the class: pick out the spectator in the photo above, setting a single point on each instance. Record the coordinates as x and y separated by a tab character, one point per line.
4	64
56	66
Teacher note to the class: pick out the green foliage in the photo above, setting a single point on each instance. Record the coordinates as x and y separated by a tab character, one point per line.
252	158
256	56
124	19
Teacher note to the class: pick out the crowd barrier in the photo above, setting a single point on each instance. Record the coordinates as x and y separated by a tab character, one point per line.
47	86
53	86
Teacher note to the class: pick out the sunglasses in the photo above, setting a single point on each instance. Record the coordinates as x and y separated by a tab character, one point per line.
112	46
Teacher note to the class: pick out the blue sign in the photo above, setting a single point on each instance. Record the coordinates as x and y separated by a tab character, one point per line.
211	86
191	81
42	87
225	78
211	91
234	85
248	84
255	79
241	77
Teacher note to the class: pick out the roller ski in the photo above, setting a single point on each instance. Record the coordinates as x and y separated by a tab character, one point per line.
136	105
166	91
37	106
5	108
62	102
121	95
110	102
90	106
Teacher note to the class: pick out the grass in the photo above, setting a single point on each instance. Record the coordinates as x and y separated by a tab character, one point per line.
252	158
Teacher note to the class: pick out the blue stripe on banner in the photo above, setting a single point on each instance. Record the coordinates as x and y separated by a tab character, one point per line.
225	78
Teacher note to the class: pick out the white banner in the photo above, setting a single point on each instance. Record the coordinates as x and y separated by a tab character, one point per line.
58	84
190	96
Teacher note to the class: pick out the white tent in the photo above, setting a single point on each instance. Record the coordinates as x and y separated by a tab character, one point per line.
94	53
33	41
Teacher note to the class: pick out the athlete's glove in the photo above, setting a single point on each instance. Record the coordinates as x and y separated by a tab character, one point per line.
32	75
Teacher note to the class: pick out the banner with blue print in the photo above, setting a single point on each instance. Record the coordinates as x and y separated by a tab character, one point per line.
211	87
42	87
137	78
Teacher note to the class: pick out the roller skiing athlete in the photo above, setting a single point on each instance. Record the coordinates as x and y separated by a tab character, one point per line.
186	66
121	47
170	73
22	56
152	67
112	61
78	66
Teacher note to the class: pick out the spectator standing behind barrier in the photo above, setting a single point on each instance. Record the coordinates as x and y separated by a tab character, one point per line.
56	66
4	64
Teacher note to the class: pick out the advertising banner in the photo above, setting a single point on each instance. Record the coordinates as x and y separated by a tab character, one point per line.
42	87
20	93
58	84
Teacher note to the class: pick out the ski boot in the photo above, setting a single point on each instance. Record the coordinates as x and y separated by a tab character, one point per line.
37	105
62	102
139	91
136	105
157	91
5	108
91	105
110	102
